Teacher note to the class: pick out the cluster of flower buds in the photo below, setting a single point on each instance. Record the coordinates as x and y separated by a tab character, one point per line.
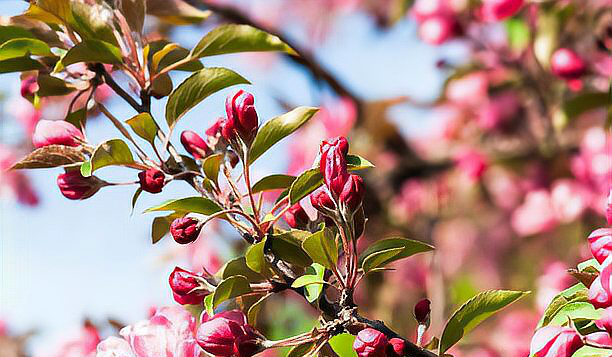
185	230
152	180
228	334
56	132
343	190
188	288
373	343
75	186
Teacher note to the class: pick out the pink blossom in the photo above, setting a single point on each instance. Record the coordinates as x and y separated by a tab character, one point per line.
82	344
168	333
609	209
438	29
496	10
424	9
554	279
370	343
605	322
600	339
600	294
56	132
471	163
567	64
498	111
15	183
600	242
569	199
468	90
228	334
555	341
535	215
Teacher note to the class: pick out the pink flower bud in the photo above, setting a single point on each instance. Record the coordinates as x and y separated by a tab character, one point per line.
370	343
422	309
56	132
600	241
321	201
555	341
75	186
334	169
241	117
496	10
438	29
605	322
600	294
353	192
228	334
340	142
152	180
29	86
215	129
566	64
397	345
185	230
194	144
296	216
186	289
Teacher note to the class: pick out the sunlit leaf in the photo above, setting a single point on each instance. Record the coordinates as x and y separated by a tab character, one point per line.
50	156
92	51
273	182
201	205
20	47
144	126
321	247
230	288
111	152
389	250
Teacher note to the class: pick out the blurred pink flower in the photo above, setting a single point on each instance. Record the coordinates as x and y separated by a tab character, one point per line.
569	199
168	333
82	344
498	111
535	215
204	252
15	183
554	280
471	163
513	333
438	29
468	90
601	339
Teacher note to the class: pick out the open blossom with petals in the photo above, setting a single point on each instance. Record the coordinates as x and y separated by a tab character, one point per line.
600	294
168	333
600	242
496	10
555	341
75	186
56	132
370	343
152	180
186	287
566	64
228	334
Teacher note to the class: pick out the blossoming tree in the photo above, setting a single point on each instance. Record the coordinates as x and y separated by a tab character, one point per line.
303	234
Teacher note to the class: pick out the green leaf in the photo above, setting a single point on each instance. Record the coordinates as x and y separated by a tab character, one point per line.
230	288
50	156
77	118
238	266
585	102
273	182
52	86
518	33
588	351
211	166
576	293
305	280
159	55
196	204
144	126
288	247
13	32
134	12
19	64
473	312
389	250
92	51
313	291
135	198
177	12
92	21
575	311
312	179
111	152
171	57
277	128
321	247
20	47
196	88
255	308
232	38
342	344
255	258
161	226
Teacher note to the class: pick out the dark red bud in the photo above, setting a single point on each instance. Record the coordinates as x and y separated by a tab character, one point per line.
321	201
296	217
194	144
152	180
397	347
422	310
353	192
75	186
185	230
186	289
370	343
340	142
566	64
241	117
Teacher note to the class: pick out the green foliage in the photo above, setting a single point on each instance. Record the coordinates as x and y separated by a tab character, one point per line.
233	38
19	64
342	344
23	47
196	88
109	153
277	128
49	86
90	51
322	248
176	54
211	166
144	126
572	295
473	312
389	250
273	182
201	205
229	288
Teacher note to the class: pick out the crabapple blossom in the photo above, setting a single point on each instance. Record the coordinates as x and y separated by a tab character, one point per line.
605	322
496	10
600	294
152	180
228	334
194	144
600	242
370	343
75	186
296	216
187	287
56	132
555	341
185	230
241	117
353	192
566	64
438	29
398	346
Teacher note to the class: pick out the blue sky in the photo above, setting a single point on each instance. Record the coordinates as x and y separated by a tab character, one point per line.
65	260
